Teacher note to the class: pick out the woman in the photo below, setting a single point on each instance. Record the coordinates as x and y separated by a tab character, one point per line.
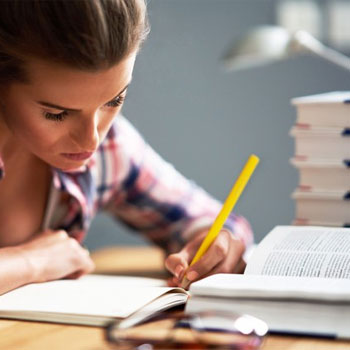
66	152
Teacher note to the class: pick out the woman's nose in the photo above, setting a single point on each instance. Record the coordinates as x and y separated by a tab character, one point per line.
86	134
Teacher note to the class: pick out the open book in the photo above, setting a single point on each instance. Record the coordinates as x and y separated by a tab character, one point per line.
91	300
297	280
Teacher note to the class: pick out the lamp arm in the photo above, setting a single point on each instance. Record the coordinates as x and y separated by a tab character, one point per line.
303	41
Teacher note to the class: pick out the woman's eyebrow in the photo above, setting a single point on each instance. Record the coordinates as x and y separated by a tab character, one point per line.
52	105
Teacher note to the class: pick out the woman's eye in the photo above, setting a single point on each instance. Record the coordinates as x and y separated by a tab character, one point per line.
116	102
61	116
56	117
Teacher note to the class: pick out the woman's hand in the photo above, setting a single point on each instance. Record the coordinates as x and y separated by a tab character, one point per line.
223	256
53	255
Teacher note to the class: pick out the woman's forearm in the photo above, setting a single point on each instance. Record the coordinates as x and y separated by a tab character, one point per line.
15	269
49	256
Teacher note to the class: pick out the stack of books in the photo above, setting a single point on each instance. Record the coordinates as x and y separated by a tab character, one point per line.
322	156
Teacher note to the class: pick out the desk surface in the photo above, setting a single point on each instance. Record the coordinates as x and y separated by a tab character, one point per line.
20	335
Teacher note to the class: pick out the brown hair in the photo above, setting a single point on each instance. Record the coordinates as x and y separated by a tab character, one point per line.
84	34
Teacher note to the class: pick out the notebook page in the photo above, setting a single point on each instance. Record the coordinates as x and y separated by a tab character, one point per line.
109	296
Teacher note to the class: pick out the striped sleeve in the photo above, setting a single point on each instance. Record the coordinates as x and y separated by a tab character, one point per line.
152	197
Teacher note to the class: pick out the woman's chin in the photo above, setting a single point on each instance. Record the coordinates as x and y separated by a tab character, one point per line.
71	166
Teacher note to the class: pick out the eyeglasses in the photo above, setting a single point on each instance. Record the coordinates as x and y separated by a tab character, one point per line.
203	330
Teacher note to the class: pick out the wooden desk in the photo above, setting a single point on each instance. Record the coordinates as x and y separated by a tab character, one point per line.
20	335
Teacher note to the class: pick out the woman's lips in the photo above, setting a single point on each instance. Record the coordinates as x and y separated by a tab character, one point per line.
77	156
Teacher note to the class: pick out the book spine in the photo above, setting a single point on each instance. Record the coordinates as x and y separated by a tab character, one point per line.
347	163
346	132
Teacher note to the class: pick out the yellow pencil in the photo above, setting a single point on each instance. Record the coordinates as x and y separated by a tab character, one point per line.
225	211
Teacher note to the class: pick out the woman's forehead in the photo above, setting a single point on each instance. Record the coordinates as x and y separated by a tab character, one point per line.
40	70
56	81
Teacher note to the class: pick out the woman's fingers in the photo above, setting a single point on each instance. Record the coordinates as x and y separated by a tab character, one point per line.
178	263
223	256
233	263
54	255
172	282
216	253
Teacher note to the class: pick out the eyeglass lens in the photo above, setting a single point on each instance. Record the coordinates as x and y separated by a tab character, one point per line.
207	330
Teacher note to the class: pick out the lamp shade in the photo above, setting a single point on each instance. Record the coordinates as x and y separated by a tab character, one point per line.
267	44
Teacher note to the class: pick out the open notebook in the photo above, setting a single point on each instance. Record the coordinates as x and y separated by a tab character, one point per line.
91	300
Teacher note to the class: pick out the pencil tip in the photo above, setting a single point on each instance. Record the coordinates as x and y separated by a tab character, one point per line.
185	283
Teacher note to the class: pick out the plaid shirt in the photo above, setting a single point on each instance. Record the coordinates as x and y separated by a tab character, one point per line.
127	178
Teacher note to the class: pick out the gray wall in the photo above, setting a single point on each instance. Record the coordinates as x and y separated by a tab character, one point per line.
207	121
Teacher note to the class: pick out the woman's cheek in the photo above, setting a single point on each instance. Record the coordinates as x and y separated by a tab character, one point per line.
38	135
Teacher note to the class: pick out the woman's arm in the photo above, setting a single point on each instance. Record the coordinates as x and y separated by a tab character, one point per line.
49	256
153	198
14	269
173	212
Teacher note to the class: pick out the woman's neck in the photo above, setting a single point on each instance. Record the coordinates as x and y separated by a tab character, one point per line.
11	150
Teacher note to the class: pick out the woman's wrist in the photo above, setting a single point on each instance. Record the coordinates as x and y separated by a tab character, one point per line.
15	269
27	266
240	241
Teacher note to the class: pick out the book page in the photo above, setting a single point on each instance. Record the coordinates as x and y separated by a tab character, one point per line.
272	287
304	251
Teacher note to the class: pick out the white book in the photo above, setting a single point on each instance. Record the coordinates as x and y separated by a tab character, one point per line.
323	174
320	142
329	109
92	300
329	206
297	280
304	222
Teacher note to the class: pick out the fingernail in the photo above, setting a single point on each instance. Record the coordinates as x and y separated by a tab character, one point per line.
192	275
178	270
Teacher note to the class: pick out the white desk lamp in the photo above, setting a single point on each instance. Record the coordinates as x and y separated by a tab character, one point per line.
266	44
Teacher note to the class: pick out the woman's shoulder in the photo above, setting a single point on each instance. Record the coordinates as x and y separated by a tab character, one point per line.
122	140
121	147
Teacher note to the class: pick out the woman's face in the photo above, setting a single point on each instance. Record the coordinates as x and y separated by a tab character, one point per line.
63	114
